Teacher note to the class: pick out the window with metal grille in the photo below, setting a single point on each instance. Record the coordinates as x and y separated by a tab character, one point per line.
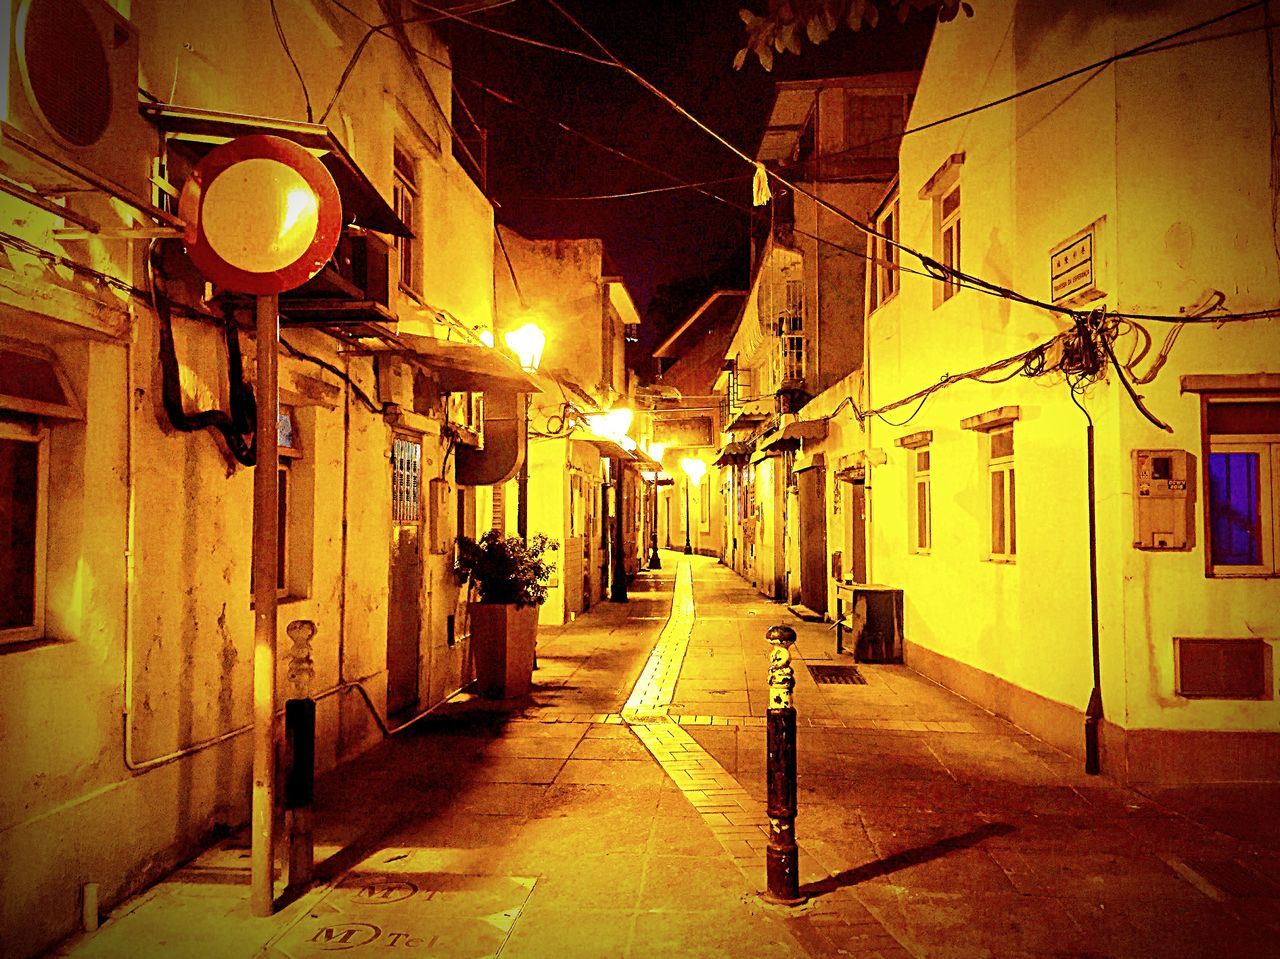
791	331
406	480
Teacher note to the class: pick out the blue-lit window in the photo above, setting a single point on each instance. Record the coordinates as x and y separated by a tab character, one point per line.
1235	509
1243	470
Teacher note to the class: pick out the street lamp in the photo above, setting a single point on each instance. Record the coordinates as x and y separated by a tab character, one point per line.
694	470
526	343
655	452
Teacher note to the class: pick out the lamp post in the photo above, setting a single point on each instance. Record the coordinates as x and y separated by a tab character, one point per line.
655	451
694	470
527	344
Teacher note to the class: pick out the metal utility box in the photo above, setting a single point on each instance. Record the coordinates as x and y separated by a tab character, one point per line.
1164	496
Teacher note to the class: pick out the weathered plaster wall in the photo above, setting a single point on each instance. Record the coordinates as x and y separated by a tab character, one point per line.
170	593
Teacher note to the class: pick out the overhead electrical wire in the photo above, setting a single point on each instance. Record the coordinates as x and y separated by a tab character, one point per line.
540	197
506	34
1150	46
284	42
939	271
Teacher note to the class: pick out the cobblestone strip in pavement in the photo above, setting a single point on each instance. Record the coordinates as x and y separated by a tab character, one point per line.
737	821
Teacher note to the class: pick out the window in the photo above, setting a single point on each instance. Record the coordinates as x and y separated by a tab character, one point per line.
791	331
873	124
288	514
1242	503
405	199
921	507
406	480
1004	525
884	263
24	483
948	239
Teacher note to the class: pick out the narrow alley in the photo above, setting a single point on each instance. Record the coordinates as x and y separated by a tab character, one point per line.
620	814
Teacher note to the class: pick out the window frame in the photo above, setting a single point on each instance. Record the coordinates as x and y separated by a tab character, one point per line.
404	196
1267	447
37	433
884	278
1003	466
918	480
948	224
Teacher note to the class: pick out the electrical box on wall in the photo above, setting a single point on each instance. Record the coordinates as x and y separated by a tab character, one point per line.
438	514
1164	498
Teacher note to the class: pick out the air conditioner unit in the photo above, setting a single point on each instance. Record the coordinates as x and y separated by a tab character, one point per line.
359	270
70	95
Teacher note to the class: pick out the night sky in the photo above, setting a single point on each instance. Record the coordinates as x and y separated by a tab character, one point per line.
686	48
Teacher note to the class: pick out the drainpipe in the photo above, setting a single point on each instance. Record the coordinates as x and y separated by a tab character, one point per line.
1093	713
618	584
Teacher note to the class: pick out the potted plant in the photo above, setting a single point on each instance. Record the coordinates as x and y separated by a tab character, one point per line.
510	577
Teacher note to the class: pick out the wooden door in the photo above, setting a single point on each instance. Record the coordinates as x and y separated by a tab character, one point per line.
857	565
404	615
812	495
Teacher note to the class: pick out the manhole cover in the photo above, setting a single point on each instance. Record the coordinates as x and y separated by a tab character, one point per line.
836	675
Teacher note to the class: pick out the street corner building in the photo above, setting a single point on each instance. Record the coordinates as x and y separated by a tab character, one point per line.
994	404
127	427
1019	428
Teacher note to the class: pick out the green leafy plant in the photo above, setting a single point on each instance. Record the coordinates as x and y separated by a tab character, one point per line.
786	23
507	569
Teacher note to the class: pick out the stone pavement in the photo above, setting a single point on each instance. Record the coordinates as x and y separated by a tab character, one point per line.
620	814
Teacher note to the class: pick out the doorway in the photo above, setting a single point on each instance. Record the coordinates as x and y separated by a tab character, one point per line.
404	611
812	495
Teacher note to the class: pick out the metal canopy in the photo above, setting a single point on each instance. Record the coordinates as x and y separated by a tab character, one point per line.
605	445
202	130
462	367
791	435
734	454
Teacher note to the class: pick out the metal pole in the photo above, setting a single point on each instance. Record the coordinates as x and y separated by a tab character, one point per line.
688	547
265	515
655	560
522	484
618	584
1093	712
782	858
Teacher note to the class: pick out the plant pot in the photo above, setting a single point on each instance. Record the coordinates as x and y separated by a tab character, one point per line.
502	644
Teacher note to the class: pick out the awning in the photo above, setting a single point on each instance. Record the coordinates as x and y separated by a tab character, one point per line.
791	435
746	420
201	130
463	367
606	446
809	461
734	454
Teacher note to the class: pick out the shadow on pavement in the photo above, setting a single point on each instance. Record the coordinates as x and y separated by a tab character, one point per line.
905	859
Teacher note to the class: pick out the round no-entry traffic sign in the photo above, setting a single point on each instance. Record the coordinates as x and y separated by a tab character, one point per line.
263	215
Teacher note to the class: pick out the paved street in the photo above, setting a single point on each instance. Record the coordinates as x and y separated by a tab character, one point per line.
621	814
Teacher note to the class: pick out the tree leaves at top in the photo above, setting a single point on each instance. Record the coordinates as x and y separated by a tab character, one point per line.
779	30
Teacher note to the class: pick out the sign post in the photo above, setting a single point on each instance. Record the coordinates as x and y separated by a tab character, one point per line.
262	216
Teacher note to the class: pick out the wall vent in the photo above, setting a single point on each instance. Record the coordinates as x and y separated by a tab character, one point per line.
1223	668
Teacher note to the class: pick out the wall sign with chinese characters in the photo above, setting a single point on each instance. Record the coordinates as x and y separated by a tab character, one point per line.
1074	267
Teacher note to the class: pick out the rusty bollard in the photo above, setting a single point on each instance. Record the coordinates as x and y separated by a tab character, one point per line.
782	858
300	743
